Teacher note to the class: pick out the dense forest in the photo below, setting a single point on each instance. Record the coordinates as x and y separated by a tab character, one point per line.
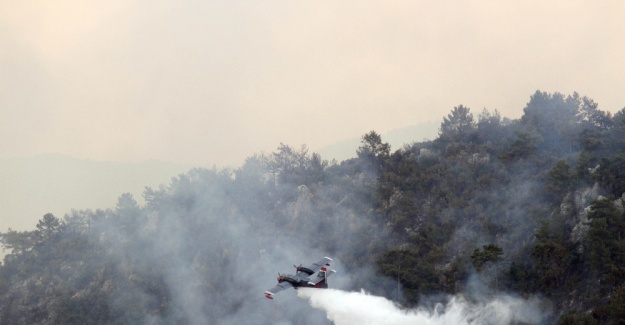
532	207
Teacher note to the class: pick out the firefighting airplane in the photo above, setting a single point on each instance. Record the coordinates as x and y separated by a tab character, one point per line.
303	277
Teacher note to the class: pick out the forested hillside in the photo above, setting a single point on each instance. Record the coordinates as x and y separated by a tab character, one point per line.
532	207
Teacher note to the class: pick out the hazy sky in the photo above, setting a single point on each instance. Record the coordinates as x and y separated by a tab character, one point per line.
212	82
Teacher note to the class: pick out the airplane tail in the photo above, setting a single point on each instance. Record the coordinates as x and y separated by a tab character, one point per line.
325	274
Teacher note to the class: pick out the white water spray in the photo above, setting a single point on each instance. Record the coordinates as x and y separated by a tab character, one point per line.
350	308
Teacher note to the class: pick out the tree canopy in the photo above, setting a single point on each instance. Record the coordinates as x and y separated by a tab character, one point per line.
532	206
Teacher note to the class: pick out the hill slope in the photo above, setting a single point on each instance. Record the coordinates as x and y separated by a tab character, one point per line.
492	208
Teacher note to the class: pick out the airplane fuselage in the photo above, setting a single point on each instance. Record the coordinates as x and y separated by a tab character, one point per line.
304	277
295	282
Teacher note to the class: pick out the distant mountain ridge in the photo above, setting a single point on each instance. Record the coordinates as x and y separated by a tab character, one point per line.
346	149
54	183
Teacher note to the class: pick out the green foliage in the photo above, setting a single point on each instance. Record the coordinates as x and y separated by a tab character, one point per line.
457	125
48	227
552	257
416	214
606	243
373	151
584	167
561	179
555	118
19	242
611	174
411	271
490	253
523	145
613	312
577	318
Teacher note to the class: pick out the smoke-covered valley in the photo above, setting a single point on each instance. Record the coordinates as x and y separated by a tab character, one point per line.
54	183
496	221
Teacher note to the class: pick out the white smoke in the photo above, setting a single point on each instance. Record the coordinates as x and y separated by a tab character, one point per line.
350	308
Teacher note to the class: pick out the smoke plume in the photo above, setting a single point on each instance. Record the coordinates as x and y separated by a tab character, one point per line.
351	308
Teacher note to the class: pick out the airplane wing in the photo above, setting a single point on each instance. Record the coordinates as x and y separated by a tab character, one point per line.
281	286
315	267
